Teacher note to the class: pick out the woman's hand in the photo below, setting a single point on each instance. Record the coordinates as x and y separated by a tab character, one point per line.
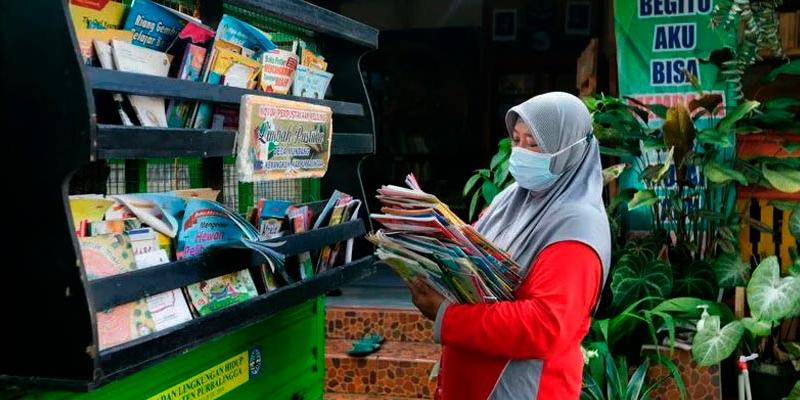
426	299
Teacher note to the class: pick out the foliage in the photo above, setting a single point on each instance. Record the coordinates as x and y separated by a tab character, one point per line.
485	184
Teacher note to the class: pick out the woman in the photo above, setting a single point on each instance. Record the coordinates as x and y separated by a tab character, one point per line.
552	221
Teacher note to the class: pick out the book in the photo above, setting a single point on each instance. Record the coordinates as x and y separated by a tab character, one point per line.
277	71
144	241
153	25
96	14
199	193
86	38
311	60
106	255
131	58
179	111
282	139
106	59
233	30
300	220
271	217
88	207
147	210
225	117
227	68
113	226
312	83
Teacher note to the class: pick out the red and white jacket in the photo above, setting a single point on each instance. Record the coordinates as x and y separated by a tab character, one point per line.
528	348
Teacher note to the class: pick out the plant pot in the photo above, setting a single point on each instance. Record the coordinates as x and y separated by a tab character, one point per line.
770	381
702	383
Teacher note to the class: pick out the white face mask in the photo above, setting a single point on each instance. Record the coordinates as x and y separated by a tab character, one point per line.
531	169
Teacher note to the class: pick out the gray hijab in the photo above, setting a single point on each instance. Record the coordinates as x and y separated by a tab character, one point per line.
524	222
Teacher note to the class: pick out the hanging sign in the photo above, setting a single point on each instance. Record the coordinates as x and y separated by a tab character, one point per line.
282	139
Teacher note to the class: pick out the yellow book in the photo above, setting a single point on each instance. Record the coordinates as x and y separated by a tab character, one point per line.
88	208
96	14
231	69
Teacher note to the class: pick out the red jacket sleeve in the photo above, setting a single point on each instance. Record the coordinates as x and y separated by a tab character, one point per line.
552	305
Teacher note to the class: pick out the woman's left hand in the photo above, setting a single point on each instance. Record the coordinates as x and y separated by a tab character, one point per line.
425	298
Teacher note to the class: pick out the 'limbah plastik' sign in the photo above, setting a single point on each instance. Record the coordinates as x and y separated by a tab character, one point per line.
657	40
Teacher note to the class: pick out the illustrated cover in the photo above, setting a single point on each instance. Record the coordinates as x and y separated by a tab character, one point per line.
153	25
147	209
327	255
299	218
311	60
271	217
106	255
243	34
131	58
86	38
88	207
143	241
277	72
282	139
230	69
312	83
206	224
179	111
199	193
113	226
96	14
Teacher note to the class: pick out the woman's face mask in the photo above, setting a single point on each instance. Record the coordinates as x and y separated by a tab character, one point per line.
531	169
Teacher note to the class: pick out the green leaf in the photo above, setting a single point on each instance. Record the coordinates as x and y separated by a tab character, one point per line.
686	308
781	176
791	68
719	174
785	205
643	198
474	203
637	277
613	384
757	327
791	147
591	389
504	145
613	172
770	297
726	124
781	103
636	382
694	280
716	138
731	271
616	152
659	110
497	159
795	393
712	344
501	175
471	183
489	190
623	196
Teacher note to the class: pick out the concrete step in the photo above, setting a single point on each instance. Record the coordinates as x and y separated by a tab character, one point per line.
399	369
400	325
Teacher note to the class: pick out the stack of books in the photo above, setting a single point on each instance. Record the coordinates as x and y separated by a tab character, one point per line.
424	239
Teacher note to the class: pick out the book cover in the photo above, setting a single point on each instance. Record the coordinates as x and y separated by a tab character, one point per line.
277	71
207	224
227	68
86	38
113	226
179	111
199	193
96	14
149	211
153	25
144	241
282	139
106	255
271	217
131	58
103	51
311	60
243	34
90	208
312	83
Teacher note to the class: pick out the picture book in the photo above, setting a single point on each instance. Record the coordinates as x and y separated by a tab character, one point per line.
311	60
227	68
179	111
90	208
282	139
96	14
277	71
243	34
143	241
131	58
106	255
153	25
148	211
299	217
312	83
327	256
271	217
113	226
86	38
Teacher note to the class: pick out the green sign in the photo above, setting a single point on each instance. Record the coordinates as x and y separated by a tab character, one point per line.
657	40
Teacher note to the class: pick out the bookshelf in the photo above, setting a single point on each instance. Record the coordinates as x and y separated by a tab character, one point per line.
53	349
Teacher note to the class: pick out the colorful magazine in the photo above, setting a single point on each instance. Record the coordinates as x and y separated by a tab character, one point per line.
277	72
113	226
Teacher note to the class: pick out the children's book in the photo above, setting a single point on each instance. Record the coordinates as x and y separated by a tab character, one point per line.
179	111
131	58
227	68
104	55
271	217
243	34
144	241
113	226
148	211
90	208
86	38
277	71
311	60
153	25
299	217
310	82
106	255
96	14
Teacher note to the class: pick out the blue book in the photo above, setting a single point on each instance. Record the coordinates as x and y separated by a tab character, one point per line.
153	25
248	36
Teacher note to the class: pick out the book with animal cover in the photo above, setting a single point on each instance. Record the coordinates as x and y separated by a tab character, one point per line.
96	14
179	111
106	255
86	38
153	25
277	71
310	82
131	58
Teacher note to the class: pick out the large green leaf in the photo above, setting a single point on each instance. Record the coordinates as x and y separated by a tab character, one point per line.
781	103
643	198
757	327
473	204
726	124
638	277
712	344
656	172
613	172
731	271
623	196
635	384
714	137
659	110
501	174
471	183
770	297
694	280
497	159
781	176
720	174
687	308
795	393
617	152
791	68
489	190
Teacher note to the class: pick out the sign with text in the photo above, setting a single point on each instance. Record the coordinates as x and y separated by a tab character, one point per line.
282	139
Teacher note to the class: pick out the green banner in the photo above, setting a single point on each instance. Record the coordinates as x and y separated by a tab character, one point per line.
657	40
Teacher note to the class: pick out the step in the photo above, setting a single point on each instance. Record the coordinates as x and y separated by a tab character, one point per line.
346	396
399	369
399	325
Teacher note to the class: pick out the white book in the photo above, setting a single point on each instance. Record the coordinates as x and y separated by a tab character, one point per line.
103	50
128	57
